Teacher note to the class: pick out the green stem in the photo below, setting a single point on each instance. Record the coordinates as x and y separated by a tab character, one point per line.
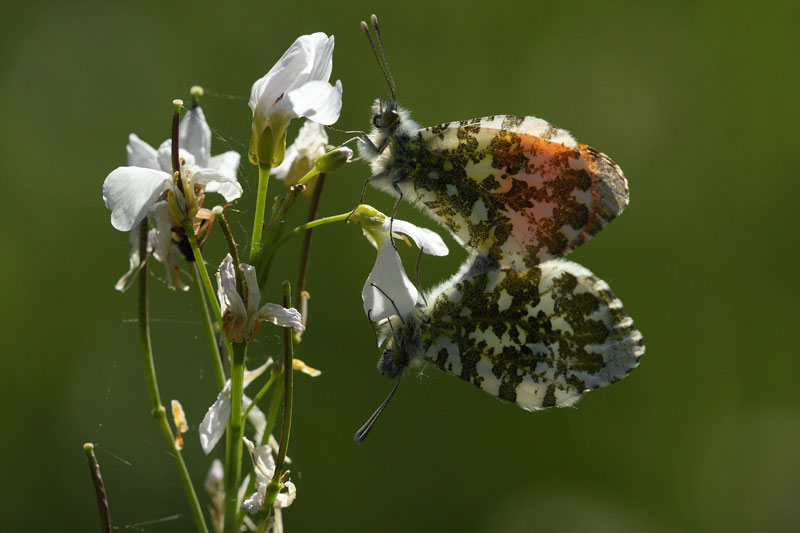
274	486
306	250
272	416
310	174
159	412
233	248
205	281
235	430
274	230
258	396
201	267
261	205
312	224
211	335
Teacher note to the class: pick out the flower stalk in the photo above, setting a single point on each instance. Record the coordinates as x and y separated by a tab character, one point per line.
158	410
275	484
208	327
261	206
235	432
306	249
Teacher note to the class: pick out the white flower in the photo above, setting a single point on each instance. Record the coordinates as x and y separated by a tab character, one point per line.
131	192
388	291
297	86
240	319
213	425
302	153
264	466
137	191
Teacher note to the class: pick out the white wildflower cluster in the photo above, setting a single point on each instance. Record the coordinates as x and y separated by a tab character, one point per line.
160	196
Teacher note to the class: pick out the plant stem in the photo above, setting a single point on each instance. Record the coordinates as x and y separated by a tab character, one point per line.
159	412
274	486
201	267
312	224
258	396
274	229
235	430
99	487
211	335
233	248
261	205
206	281
306	250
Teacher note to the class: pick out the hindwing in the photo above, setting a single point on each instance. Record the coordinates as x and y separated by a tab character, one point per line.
539	337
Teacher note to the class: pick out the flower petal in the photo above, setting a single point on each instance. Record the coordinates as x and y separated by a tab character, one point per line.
317	100
285	499
195	136
134	264
298	364
309	55
280	316
228	186
388	291
130	193
226	163
230	303
141	154
213	425
426	240
280	172
165	156
253	293
251	375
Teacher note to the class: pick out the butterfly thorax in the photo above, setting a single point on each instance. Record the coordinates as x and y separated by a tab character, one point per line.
392	131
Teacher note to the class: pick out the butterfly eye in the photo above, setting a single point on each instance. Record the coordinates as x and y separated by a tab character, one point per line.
376	121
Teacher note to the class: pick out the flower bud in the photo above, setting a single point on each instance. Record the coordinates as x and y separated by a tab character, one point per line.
331	161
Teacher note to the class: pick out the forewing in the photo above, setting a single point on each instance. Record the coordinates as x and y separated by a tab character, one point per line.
539	337
515	188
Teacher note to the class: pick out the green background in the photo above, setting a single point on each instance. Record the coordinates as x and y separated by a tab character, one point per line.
697	102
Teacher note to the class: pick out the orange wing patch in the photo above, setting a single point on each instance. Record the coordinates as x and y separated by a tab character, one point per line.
519	197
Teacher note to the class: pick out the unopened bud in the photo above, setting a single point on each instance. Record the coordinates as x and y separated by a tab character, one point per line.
331	161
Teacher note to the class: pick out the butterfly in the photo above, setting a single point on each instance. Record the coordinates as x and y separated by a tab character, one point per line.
516	320
515	188
539	337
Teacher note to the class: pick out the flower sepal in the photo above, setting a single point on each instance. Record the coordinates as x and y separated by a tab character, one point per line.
268	144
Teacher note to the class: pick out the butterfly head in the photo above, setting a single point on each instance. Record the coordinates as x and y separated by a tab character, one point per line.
386	115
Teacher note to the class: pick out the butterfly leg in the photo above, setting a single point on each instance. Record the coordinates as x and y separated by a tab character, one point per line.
360	200
394	212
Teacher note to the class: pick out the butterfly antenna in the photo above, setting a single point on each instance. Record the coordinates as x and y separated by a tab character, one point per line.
388	73
364	430
419	285
390	301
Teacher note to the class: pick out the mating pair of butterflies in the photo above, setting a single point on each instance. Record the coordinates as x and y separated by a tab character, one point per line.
518	193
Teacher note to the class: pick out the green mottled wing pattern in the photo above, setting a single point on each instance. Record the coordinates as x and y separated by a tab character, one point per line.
515	188
539	337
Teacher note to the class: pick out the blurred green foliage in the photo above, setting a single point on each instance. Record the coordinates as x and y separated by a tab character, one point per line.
697	102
